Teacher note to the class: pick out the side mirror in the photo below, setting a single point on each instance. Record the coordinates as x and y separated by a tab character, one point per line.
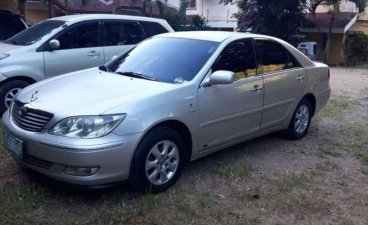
54	44
221	77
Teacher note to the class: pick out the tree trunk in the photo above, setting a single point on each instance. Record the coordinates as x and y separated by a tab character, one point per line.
22	7
329	39
329	35
51	9
114	6
161	8
144	7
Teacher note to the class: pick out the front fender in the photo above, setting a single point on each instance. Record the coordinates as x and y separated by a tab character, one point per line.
2	77
22	70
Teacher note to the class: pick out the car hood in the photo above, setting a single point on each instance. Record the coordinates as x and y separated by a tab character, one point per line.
6	48
89	92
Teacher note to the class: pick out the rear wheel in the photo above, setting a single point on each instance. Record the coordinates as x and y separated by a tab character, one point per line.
158	160
8	92
300	121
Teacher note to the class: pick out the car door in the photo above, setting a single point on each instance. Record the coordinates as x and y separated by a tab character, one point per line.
119	37
80	48
284	81
228	112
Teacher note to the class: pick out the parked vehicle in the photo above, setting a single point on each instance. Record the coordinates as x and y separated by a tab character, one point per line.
309	49
69	43
10	24
174	98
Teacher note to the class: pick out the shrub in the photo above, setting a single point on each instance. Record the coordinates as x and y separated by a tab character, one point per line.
356	49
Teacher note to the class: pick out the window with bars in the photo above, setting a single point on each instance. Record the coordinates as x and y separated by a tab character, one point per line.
191	4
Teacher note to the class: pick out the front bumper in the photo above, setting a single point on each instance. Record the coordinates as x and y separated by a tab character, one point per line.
49	154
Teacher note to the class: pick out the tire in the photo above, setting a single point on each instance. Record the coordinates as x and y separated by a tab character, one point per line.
300	121
7	89
147	163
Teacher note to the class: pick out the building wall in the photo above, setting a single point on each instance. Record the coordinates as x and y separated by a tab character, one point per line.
37	15
364	15
175	3
345	6
337	52
31	14
361	25
10	5
218	14
337	47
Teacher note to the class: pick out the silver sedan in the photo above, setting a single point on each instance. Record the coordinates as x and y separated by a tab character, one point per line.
174	98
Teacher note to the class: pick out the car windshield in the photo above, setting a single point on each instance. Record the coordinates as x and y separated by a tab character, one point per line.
170	60
34	33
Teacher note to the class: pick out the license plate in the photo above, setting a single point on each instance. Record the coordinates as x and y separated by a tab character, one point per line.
13	145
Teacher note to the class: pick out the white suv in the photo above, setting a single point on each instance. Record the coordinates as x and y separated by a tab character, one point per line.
66	44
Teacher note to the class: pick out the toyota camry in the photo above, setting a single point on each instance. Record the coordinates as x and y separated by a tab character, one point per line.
172	99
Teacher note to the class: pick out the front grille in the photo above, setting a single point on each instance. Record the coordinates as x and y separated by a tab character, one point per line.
37	162
28	118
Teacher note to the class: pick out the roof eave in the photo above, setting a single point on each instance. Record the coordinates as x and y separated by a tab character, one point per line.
334	30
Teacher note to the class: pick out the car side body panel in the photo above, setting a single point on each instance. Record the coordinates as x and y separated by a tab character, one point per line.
29	64
282	90
227	112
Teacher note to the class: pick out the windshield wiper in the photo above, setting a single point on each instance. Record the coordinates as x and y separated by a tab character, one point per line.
138	75
104	68
14	42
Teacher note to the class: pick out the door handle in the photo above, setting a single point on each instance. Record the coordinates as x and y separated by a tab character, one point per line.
300	78
257	88
94	54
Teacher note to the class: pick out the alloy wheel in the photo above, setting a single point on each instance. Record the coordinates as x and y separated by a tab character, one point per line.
10	96
301	119
162	162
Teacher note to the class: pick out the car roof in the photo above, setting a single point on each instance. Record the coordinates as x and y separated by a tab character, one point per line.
84	17
216	36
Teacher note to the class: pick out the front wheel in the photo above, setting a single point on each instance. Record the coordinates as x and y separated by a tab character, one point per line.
158	160
8	92
300	121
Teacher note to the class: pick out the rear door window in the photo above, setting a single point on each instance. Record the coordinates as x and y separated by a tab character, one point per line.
152	28
122	33
274	57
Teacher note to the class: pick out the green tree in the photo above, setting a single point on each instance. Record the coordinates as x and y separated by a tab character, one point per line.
272	17
177	21
334	11
199	23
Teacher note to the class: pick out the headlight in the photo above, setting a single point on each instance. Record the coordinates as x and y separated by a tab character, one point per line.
87	126
3	56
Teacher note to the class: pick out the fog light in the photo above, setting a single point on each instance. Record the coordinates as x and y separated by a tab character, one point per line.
81	171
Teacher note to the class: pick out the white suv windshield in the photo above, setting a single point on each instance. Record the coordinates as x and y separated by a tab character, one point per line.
171	60
34	33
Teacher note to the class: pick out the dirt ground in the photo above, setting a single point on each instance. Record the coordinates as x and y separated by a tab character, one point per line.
321	179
